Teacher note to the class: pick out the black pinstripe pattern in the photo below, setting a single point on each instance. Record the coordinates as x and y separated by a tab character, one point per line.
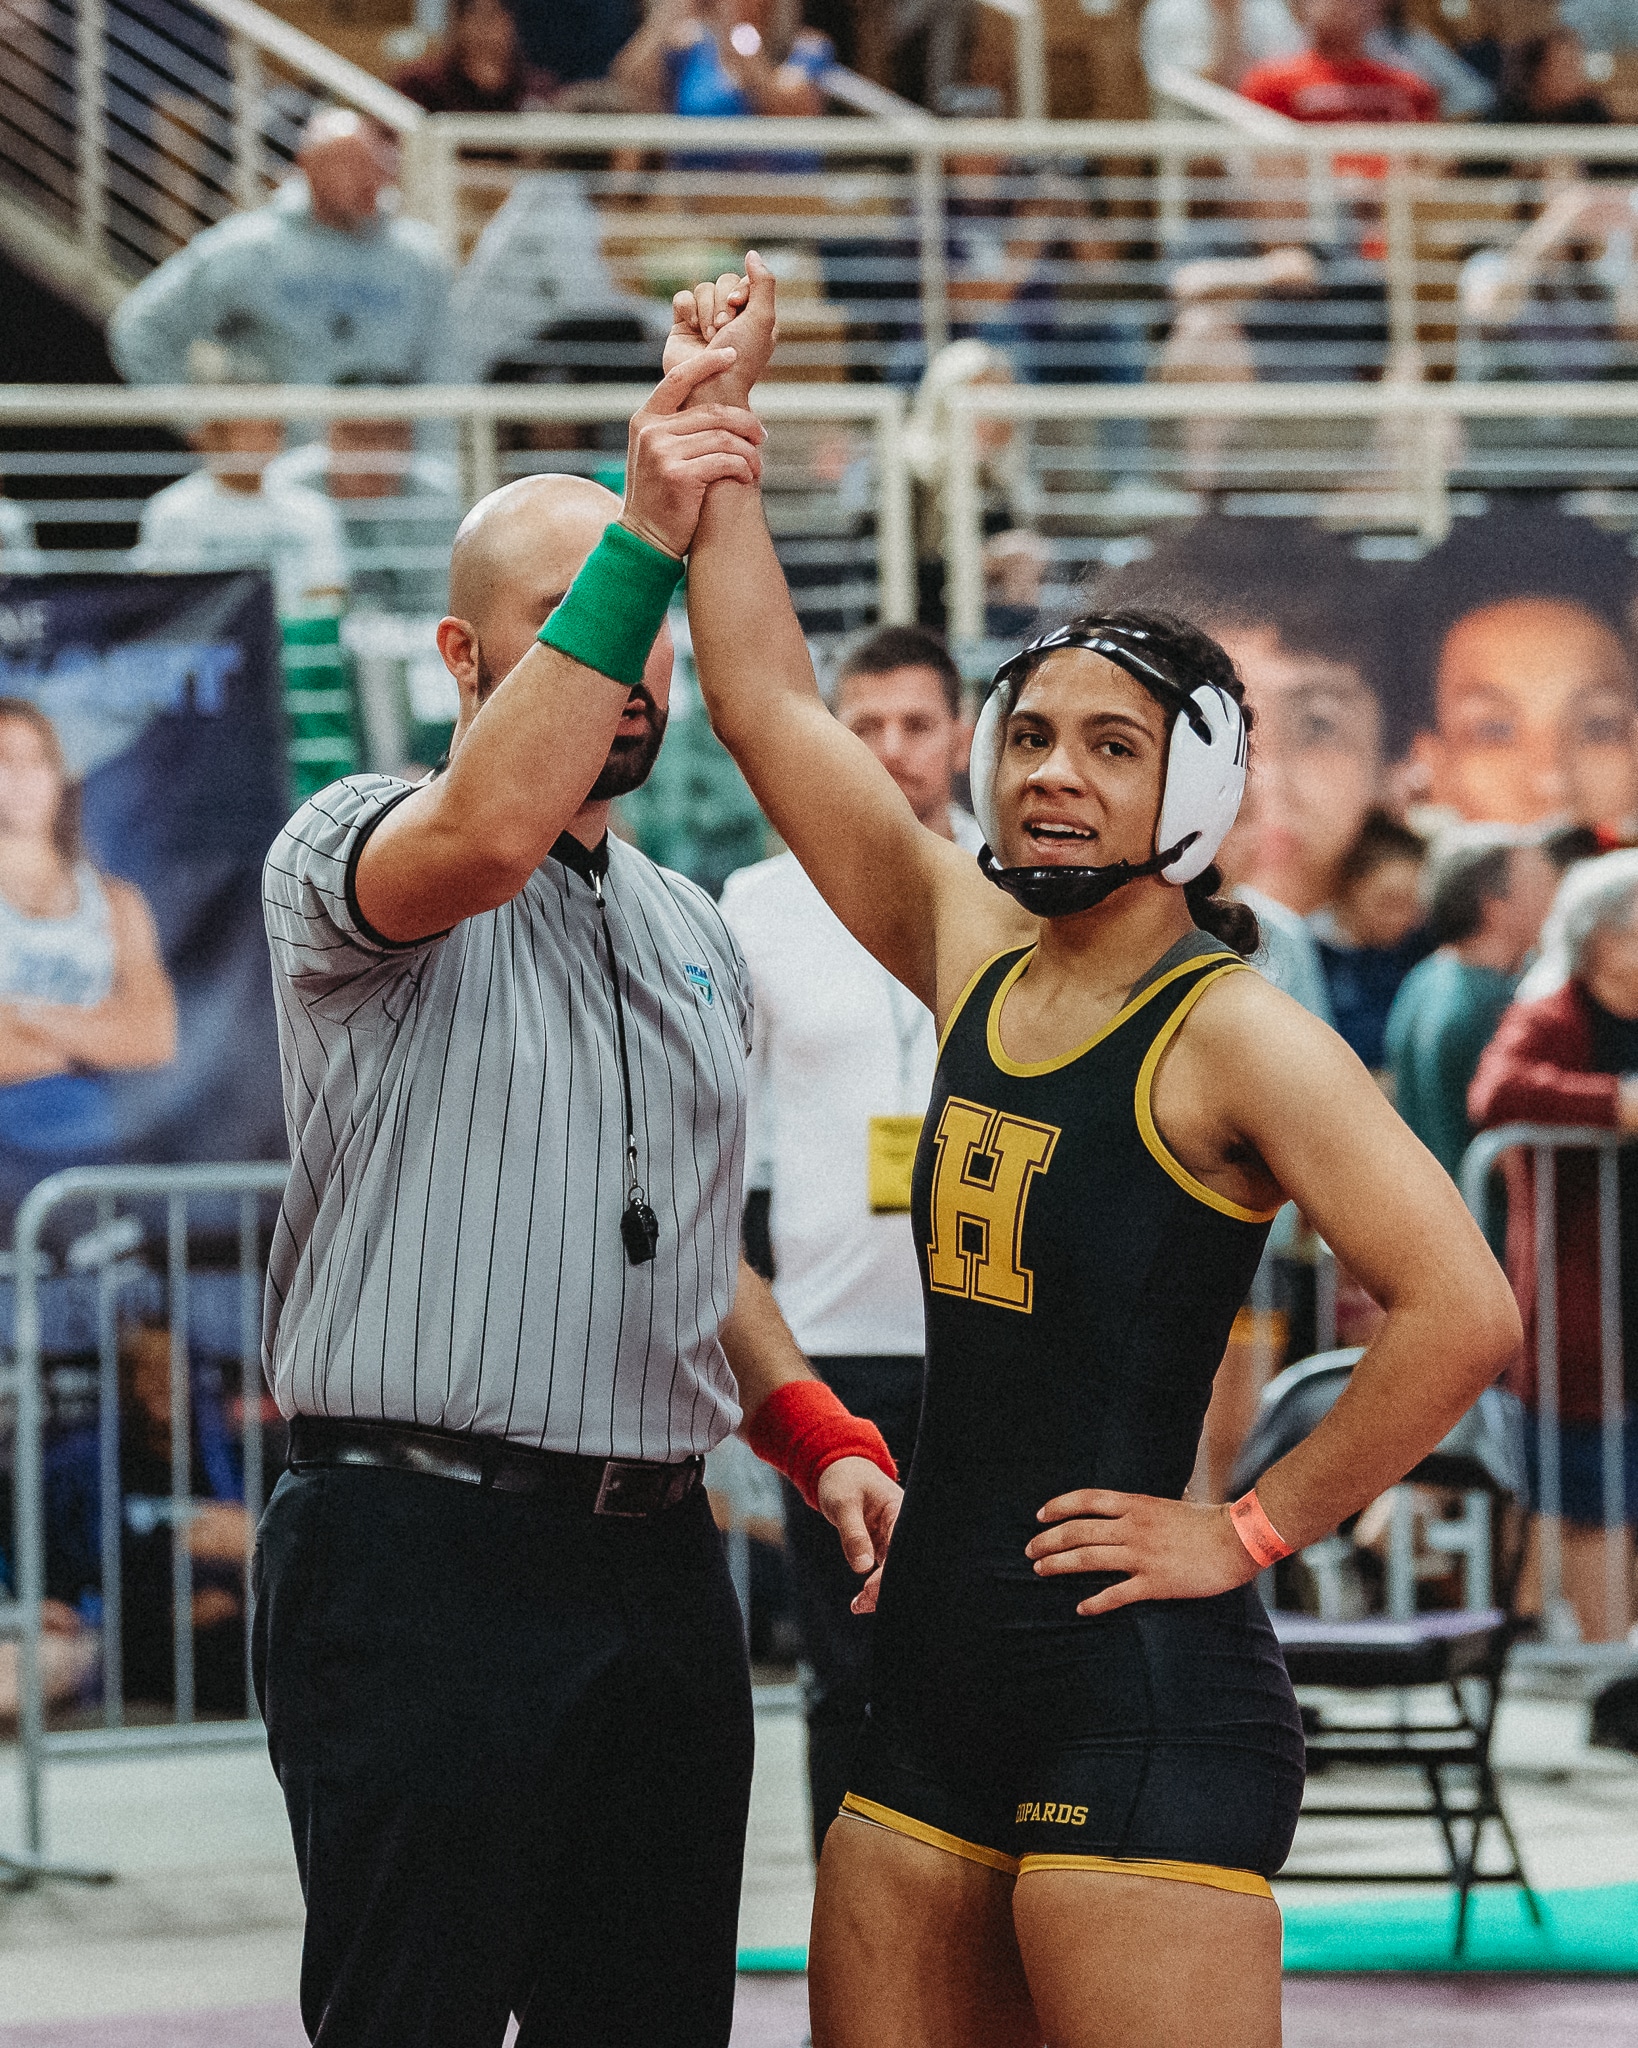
448	1251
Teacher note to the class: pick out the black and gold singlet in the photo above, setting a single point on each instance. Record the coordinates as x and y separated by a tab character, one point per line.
1080	1286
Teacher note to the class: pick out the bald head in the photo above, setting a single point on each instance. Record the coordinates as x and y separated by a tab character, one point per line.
523	545
348	162
516	554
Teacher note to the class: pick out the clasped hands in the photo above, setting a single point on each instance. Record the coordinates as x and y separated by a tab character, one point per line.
697	428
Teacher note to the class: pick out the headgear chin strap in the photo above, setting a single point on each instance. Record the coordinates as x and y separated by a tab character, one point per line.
1205	776
1061	891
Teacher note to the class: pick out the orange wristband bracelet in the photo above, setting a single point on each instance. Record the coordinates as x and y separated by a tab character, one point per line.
1264	1543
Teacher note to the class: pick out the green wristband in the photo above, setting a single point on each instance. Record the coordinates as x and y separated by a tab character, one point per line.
616	606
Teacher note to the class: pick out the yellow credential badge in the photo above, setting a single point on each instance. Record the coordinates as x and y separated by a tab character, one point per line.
893	1142
984	1163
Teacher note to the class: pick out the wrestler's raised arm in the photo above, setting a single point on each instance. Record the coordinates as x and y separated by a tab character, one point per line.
911	898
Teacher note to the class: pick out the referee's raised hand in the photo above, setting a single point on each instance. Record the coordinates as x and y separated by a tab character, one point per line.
673	457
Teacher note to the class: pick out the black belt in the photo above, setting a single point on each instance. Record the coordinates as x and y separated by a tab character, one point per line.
630	1487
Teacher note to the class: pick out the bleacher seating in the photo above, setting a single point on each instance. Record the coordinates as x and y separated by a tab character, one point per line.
1068	245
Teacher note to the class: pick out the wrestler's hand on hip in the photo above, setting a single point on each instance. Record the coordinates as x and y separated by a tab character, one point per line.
1165	1549
861	1503
739	311
673	458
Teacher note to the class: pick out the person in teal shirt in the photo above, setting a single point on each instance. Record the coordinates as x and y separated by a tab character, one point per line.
1488	889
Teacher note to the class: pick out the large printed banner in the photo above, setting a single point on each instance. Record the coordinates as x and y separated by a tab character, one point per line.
1493	680
142	779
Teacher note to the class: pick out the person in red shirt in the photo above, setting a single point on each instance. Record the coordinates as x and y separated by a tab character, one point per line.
1334	80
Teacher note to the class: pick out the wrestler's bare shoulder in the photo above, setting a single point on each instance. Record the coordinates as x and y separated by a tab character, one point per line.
1246	1039
973	921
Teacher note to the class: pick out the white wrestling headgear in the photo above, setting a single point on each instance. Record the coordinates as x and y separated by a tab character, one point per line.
1205	774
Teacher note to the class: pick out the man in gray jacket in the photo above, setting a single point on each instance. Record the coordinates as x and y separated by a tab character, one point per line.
321	283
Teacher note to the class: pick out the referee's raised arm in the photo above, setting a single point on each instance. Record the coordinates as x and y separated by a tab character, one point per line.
537	725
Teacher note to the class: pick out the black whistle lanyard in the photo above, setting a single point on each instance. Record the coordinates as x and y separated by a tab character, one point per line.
639	1226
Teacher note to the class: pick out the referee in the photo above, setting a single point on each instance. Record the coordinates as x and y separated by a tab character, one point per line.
495	1644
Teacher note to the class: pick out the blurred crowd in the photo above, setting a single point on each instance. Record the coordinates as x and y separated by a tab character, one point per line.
1052	277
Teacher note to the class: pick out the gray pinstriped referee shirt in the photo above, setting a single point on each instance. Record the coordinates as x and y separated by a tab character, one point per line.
448	1251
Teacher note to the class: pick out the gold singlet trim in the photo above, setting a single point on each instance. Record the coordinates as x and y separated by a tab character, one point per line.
1246	1881
1028	1069
1146	1116
965	996
935	1838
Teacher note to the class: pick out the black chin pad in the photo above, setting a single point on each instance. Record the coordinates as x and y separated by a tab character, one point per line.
1062	891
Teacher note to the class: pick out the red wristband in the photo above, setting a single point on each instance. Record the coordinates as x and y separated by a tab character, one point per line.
802	1427
1262	1540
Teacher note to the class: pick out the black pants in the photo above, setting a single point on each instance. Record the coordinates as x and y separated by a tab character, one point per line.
515	1746
837	1641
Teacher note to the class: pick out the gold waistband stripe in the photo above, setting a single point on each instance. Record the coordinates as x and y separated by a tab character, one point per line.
935	1838
1247	1881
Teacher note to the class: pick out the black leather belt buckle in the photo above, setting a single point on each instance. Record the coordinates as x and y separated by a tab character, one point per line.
632	1489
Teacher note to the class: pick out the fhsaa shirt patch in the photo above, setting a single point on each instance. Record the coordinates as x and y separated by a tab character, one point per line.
701	981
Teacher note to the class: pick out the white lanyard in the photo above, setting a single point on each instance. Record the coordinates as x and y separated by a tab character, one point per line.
906	1032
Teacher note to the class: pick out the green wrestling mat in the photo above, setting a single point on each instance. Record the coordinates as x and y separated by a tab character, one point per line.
1591	1932
1587	1933
772	1962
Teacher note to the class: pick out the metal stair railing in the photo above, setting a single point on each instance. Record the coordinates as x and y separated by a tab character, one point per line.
126	126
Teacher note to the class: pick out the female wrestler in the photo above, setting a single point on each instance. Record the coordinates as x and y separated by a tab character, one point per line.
1083	1760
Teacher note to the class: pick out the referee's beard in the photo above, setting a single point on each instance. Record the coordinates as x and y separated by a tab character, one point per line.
632	756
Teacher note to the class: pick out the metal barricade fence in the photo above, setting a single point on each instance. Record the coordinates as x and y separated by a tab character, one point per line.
121	1206
1544	1143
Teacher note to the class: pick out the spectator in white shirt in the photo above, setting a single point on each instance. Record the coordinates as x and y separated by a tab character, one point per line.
840	1076
234	513
1217	39
538	262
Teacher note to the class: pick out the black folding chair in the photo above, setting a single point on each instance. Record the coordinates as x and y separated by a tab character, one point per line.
1465	1651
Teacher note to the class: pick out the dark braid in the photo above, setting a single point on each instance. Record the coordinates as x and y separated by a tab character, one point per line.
1234	923
1191	657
